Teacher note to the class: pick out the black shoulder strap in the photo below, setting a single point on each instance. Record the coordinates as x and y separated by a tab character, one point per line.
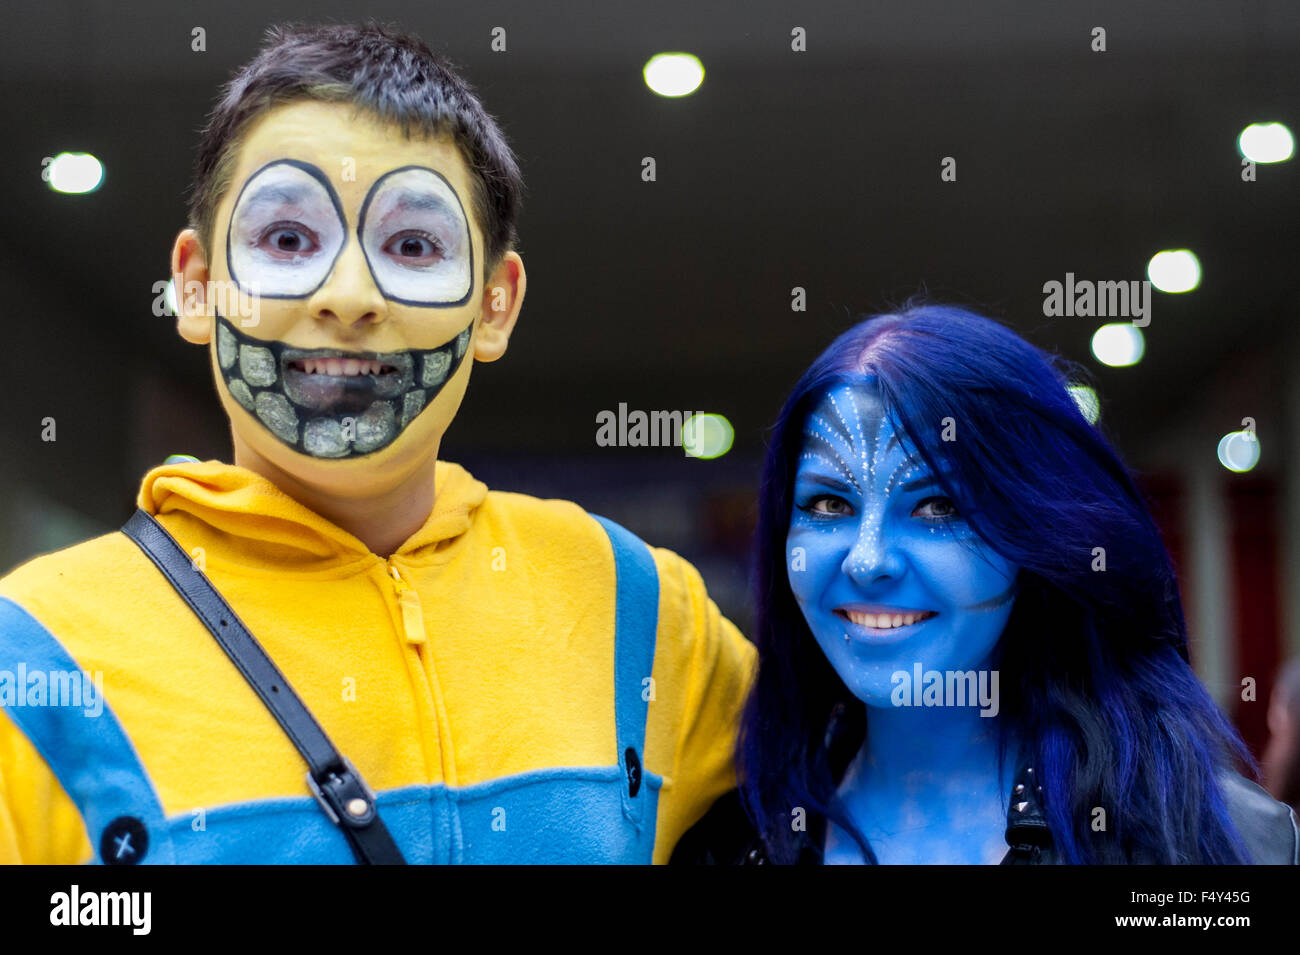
338	787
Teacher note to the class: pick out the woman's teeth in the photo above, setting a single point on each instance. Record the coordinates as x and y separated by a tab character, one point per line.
339	366
885	621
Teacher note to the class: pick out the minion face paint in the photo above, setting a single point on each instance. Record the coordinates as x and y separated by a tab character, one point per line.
287	230
888	575
358	248
418	208
333	404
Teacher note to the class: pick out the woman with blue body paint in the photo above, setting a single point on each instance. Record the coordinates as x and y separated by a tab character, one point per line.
972	646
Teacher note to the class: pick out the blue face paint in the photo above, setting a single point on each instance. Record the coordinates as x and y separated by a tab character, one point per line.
871	533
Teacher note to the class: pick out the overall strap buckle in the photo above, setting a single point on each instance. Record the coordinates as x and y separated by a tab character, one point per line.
344	795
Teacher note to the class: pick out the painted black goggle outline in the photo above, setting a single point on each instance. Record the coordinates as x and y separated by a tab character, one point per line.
469	242
320	177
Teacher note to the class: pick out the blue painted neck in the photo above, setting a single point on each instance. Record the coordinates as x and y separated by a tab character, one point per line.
928	744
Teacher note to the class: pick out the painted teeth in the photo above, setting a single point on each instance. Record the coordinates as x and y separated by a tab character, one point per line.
339	366
885	621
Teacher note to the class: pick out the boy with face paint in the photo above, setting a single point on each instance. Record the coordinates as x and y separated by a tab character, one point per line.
516	680
368	298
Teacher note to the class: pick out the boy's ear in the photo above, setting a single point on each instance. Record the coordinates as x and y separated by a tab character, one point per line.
190	277
503	296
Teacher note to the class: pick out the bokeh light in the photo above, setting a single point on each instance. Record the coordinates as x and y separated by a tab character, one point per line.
1174	270
707	436
1266	142
1086	398
74	173
1118	344
674	74
1239	450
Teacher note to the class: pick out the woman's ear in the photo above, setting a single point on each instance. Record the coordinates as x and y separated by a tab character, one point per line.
503	296
190	277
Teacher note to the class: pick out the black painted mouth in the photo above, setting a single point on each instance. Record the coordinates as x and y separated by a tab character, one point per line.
333	415
348	394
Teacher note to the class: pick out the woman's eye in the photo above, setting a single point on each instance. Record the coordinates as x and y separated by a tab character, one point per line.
827	505
414	248
936	509
289	240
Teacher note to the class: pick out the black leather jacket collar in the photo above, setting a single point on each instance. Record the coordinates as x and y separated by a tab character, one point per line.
1267	827
1027	835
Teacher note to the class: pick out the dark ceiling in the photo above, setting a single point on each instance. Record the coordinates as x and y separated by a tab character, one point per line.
817	169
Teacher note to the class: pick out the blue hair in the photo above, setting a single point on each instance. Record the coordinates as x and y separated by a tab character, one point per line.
1094	669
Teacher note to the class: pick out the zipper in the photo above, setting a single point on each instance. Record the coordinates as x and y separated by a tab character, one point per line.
438	747
412	612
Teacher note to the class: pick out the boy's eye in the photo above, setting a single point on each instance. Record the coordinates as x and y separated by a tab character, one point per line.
289	240
936	509
414	248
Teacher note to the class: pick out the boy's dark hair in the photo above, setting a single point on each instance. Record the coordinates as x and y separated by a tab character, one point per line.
392	75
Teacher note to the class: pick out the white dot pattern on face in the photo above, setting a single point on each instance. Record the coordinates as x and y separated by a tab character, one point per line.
834	460
851	438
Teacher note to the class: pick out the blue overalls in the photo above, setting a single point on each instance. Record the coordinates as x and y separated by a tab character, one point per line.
597	814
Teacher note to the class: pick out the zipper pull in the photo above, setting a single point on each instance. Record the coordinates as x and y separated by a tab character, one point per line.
412	612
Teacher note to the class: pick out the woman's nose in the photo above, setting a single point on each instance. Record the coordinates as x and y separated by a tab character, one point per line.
874	555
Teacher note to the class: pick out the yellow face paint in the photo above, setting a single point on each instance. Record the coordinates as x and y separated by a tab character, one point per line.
359	252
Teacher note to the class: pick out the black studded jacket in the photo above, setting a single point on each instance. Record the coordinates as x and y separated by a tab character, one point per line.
726	837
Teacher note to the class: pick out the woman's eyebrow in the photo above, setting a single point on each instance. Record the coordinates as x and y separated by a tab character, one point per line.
925	480
813	477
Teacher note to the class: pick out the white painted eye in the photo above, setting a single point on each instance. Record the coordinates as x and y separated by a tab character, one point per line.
416	238
285	232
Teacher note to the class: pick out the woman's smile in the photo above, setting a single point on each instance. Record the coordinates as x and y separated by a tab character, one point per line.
884	626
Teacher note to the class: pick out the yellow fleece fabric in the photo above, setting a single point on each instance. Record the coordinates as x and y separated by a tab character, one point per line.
498	661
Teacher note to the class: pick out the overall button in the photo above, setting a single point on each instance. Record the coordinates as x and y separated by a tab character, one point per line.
633	771
124	841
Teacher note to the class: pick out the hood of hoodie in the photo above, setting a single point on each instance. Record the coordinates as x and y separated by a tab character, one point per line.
244	523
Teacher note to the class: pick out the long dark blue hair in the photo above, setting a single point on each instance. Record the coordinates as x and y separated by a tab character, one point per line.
1094	674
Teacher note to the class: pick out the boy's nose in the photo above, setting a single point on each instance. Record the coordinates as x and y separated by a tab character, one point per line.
349	294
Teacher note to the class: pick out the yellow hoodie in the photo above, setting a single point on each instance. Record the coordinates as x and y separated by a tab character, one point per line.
470	677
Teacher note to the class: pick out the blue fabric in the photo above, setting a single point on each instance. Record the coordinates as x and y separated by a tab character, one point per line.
557	815
565	815
636	616
91	756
